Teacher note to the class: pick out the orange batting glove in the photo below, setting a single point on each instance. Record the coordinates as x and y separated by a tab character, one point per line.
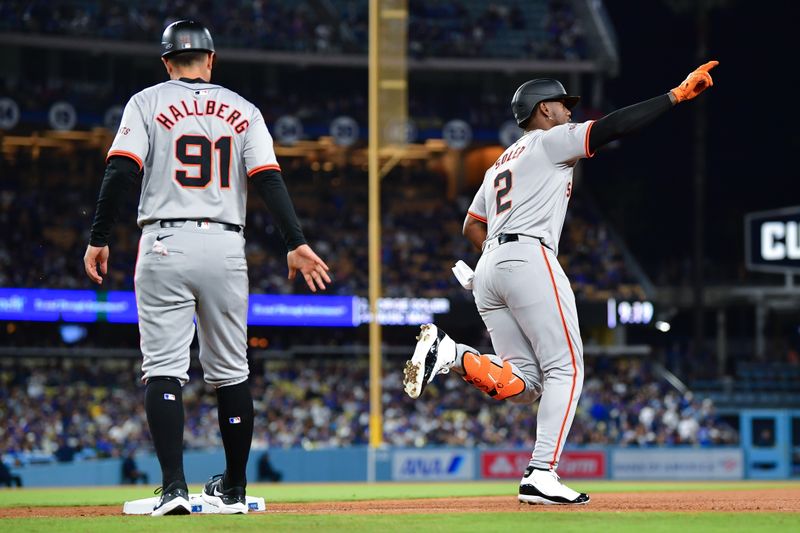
695	83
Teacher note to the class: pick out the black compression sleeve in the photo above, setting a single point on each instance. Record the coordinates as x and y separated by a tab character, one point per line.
121	173
627	120
270	186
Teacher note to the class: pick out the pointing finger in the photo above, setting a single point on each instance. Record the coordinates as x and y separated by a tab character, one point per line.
708	66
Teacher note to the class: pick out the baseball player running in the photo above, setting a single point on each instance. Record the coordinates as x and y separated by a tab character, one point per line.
198	145
520	290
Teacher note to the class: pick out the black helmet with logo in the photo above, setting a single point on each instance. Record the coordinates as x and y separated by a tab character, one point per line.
185	36
532	92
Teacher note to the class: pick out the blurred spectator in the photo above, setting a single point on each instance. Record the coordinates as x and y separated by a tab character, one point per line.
564	37
447	28
66	451
7	477
325	403
764	438
45	229
131	474
267	472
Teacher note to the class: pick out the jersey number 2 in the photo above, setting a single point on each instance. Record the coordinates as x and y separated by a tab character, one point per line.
504	178
196	151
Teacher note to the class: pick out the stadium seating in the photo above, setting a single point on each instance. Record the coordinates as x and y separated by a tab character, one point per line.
756	384
448	28
85	409
48	231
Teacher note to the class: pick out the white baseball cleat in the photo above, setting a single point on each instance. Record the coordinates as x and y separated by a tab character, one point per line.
435	354
544	487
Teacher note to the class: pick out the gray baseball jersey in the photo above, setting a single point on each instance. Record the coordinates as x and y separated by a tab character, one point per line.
528	188
197	143
520	289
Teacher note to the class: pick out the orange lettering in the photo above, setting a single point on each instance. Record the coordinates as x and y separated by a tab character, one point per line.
233	116
177	115
186	109
167	123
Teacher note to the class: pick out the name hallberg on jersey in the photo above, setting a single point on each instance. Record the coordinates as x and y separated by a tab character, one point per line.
210	109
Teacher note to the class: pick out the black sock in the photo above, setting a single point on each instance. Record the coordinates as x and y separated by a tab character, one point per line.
163	403
235	408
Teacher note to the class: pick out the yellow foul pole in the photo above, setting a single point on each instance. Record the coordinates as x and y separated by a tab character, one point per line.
375	359
388	119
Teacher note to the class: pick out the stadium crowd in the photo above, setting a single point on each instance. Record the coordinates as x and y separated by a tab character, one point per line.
448	28
70	410
47	231
293	95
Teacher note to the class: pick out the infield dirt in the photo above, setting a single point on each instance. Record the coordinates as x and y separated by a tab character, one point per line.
745	501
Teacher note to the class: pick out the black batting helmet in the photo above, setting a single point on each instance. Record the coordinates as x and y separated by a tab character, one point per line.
185	36
532	92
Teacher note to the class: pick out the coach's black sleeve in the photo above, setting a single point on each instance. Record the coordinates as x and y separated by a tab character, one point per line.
270	186
121	173
627	120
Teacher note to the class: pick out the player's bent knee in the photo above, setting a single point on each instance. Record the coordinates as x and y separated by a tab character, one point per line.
499	382
528	396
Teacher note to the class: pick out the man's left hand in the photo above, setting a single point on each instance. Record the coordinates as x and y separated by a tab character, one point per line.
93	256
314	269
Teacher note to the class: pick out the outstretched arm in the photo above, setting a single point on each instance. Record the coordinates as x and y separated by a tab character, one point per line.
630	119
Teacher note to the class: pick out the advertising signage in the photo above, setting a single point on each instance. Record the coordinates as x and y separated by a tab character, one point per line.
772	240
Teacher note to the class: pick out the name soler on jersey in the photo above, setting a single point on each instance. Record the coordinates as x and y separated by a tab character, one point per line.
200	109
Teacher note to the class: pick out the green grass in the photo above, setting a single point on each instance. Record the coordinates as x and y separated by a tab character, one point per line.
485	522
583	520
308	492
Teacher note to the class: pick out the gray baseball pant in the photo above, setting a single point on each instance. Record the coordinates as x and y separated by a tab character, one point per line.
193	273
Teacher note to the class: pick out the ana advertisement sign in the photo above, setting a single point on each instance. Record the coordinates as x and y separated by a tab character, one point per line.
432	465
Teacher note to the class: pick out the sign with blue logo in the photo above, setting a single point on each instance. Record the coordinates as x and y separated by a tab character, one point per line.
432	465
65	305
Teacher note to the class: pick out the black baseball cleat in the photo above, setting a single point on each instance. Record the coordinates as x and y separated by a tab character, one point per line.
434	354
229	501
544	487
174	500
